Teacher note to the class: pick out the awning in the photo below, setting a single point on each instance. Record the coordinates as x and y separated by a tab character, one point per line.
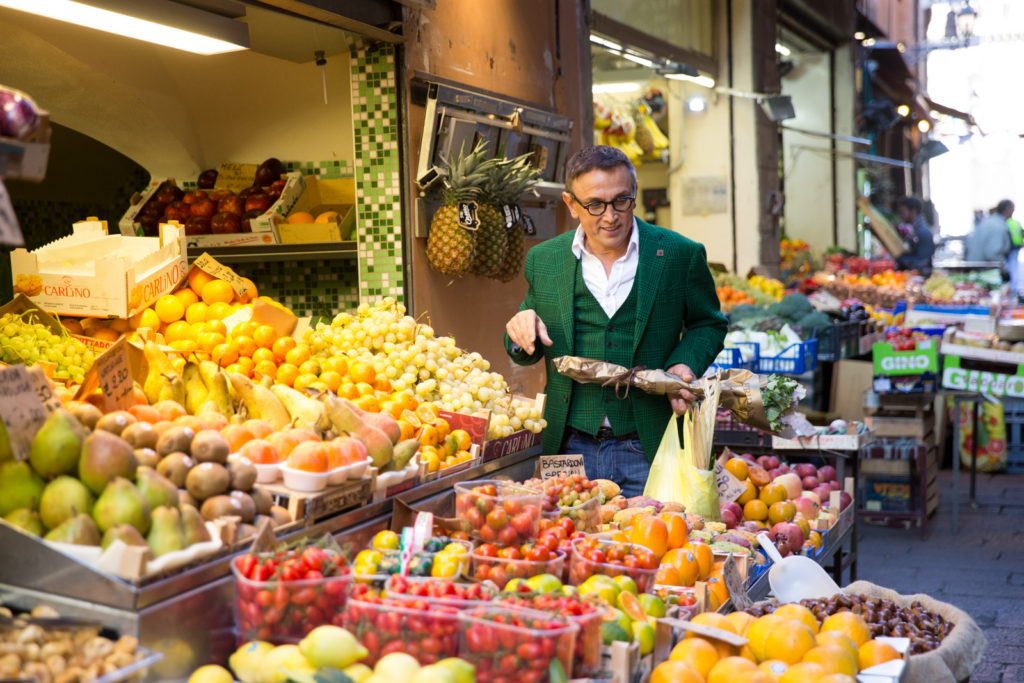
950	111
894	80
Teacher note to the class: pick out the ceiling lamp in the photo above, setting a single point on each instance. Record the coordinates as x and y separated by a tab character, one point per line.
154	21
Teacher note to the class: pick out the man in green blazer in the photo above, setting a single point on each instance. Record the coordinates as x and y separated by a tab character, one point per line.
620	290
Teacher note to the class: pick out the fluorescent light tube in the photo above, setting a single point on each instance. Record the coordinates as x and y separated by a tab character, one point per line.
642	61
604	42
612	88
147	20
705	81
783	50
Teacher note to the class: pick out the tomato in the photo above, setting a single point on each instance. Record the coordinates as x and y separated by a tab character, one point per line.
280	596
304	596
509	553
474	517
371	641
260	573
499	576
398	646
489	535
246	564
538	553
431	645
528	651
497	518
487	550
615	552
567	524
549	541
508	535
313	558
264	598
513	506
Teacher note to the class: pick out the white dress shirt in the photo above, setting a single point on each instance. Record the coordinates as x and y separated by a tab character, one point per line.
610	289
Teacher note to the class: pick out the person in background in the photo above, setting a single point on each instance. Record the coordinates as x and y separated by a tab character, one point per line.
1013	263
619	290
920	241
990	240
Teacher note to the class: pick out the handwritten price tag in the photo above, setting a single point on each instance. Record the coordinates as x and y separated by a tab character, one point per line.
734	582
114	372
551	466
218	270
729	487
20	409
44	389
235	176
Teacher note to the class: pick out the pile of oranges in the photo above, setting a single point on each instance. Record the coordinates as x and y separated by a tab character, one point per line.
787	646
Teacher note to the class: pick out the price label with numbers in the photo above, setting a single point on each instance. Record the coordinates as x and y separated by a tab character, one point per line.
551	466
44	389
729	487
114	372
218	270
21	410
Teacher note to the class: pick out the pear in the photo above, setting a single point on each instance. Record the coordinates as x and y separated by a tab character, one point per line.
166	535
79	530
104	457
403	454
196	391
122	503
6	453
159	368
194	526
57	445
381	421
219	396
158	489
304	411
260	402
26	520
340	415
20	486
125	533
62	499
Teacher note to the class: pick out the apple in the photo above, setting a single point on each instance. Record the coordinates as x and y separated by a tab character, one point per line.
222	193
827	473
269	171
248	216
194	196
153	208
258	200
732	514
810	483
763	461
806	506
222	223
773	462
835	485
233	204
805	469
197	225
177	210
844	500
150	225
777	472
791	483
167	193
203	207
207	179
824	492
249	190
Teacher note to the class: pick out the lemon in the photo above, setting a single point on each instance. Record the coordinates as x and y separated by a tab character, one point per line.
652	604
463	670
385	540
626	584
211	673
246	660
331	646
643	634
396	666
434	674
358	672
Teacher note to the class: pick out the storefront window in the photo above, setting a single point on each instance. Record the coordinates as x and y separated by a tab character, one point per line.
683	23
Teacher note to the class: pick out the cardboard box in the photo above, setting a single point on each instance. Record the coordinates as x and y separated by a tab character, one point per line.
991	379
90	273
322	195
887	492
27	159
850	379
264	226
888	361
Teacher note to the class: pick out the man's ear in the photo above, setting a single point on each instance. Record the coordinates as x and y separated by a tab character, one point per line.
571	204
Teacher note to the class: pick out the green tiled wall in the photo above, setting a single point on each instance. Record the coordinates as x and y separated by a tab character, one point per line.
321	288
375	120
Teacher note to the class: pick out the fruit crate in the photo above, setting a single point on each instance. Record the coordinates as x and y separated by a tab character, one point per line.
795	359
733	357
841	340
311	506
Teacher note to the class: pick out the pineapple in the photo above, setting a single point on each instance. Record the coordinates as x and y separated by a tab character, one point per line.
450	245
491	238
517	177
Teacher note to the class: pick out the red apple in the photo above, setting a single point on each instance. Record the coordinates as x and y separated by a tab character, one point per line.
150	225
222	193
776	472
810	483
806	507
827	473
233	204
763	461
249	190
258	200
194	196
823	491
805	469
177	211
153	208
732	515
207	178
835	485
222	223
269	171
168	193
844	500
773	462
248	216
197	225
203	207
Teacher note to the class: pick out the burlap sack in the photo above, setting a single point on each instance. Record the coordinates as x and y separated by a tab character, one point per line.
961	651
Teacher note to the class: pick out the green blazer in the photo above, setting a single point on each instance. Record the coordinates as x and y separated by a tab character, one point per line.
678	321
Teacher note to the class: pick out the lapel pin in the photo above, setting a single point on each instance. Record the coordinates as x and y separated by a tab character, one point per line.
660	252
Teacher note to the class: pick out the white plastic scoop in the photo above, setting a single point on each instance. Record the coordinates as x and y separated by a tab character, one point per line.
796	577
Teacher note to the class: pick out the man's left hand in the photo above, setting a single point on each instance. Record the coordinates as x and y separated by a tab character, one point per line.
681	400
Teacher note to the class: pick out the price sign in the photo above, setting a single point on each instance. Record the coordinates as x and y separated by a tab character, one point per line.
235	177
551	466
734	582
218	270
729	487
44	389
114	373
20	409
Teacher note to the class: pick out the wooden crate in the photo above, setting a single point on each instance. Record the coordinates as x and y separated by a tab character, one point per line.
922	428
311	506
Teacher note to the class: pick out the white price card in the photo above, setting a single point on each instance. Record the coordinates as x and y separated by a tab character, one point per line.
21	410
114	372
551	466
213	267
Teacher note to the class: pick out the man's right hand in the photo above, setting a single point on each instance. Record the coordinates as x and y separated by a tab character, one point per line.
525	328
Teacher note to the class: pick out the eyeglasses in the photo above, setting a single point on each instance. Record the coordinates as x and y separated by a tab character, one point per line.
597	207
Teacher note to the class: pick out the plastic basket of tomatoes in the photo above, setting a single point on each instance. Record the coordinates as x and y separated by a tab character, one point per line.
427	631
507	643
440	592
570	495
498	511
585	613
592	555
501	565
280	597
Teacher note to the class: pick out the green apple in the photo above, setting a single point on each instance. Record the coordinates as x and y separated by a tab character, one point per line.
626	583
544	583
643	634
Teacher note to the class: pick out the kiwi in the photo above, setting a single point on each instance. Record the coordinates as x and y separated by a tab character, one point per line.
185	498
243	474
280	515
116	422
262	498
176	466
248	505
147	456
210	446
140	435
207	479
220	506
86	413
174	439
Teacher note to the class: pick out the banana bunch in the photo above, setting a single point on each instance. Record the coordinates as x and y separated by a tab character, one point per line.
769	286
620	132
648	135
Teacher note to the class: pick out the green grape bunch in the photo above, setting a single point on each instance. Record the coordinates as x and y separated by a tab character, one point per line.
24	340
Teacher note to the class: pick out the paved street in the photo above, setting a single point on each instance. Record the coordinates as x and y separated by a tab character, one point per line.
980	569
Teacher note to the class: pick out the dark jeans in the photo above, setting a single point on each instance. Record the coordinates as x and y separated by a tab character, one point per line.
623	462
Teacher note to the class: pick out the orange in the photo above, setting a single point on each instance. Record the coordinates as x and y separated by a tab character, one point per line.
835	659
197	279
464	439
705	557
712	619
259	452
755	676
794	610
676	525
250	294
737	467
364	389
372	405
301	217
261	429
697	653
875	652
629	604
802	672
684	562
246	345
361	371
169	410
667	575
186	296
327	217
145	413
217	291
783	511
382	384
748	495
427	412
262	353
310	367
265	336
788	640
428	435
331	379
758	631
237	436
265	367
246	328
675	672
298	355
717	589
208	341
282	346
741	621
405	429
196	313
309	456
216	325
224	354
338	364
853	625
837	678
773	667
651	532
286	374
756	510
313	382
772	493
729	669
169	309
218	311
837	638
104	334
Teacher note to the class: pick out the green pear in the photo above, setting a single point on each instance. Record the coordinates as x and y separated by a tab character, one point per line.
79	530
194	526
158	489
104	457
57	445
122	503
20	487
63	498
166	534
6	453
125	533
26	520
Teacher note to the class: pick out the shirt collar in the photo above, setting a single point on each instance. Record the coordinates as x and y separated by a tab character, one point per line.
578	248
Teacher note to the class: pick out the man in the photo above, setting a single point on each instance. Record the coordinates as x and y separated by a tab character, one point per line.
990	240
619	290
921	243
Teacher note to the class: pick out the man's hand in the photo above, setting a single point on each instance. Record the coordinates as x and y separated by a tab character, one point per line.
681	400
525	328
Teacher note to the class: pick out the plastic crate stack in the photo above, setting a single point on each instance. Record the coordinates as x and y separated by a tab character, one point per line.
1013	412
841	340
